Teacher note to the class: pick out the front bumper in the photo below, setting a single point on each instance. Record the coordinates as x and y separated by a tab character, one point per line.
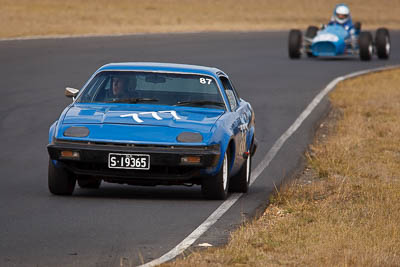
165	161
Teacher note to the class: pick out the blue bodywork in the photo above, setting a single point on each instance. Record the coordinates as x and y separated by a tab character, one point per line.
223	128
334	40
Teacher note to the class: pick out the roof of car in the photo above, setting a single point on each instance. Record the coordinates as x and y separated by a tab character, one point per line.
161	67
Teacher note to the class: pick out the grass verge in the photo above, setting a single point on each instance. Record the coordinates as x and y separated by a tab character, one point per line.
75	17
345	208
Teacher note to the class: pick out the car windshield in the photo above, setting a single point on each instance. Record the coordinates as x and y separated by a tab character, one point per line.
154	88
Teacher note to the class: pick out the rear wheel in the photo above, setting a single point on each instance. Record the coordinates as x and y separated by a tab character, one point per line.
241	181
89	183
295	44
216	187
310	34
382	43
366	46
60	181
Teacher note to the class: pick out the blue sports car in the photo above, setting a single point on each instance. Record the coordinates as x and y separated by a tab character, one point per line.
154	124
335	40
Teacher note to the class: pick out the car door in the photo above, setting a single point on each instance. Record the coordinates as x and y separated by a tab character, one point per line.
241	119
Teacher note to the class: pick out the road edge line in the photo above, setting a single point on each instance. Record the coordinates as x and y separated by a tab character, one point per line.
224	207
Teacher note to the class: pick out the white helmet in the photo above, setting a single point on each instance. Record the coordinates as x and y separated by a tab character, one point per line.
341	13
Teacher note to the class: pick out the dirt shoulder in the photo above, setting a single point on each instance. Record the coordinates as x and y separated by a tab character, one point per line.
74	17
345	208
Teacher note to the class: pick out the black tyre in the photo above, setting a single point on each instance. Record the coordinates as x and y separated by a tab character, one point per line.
310	34
382	43
295	43
60	181
89	183
216	187
366	46
240	182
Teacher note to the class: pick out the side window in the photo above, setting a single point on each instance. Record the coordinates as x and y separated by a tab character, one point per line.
230	93
234	90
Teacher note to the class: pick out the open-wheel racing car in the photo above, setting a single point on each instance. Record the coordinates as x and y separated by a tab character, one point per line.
154	124
335	40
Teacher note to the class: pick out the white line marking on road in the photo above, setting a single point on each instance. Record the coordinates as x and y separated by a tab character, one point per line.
224	207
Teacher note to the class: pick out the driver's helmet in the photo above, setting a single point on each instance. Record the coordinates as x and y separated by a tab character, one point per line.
341	13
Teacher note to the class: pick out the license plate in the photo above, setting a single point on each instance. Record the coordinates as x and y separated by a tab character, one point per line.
129	161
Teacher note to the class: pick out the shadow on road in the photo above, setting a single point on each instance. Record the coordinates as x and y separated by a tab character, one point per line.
140	192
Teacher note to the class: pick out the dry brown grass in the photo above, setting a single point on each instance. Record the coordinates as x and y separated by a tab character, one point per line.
65	17
345	209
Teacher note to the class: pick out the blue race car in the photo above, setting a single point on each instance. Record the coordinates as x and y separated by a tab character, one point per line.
335	40
154	124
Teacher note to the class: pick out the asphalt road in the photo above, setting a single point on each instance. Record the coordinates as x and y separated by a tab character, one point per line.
126	224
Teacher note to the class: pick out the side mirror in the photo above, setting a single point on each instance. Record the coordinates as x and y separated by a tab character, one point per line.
71	92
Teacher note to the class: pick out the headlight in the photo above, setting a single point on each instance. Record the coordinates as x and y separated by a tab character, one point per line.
75	131
189	137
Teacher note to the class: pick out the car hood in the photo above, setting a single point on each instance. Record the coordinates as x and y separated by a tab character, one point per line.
139	123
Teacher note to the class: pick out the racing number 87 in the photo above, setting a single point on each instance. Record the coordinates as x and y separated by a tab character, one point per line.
205	81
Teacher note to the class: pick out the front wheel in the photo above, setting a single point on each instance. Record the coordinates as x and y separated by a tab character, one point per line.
366	46
295	44
60	181
382	43
216	187
241	181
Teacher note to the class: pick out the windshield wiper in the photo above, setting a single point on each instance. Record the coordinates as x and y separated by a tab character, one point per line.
200	103
133	100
